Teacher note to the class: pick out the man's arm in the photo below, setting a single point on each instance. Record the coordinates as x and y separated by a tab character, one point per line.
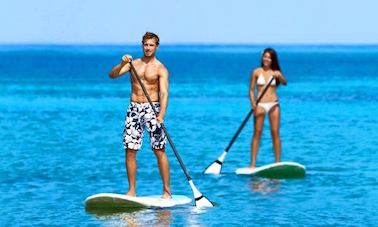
122	68
163	92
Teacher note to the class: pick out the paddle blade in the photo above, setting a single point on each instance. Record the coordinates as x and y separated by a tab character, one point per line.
214	168
203	202
200	200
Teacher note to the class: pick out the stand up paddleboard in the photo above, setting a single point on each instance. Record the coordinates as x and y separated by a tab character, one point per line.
280	170
118	201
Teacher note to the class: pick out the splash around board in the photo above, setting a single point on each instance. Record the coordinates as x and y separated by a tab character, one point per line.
280	170
118	201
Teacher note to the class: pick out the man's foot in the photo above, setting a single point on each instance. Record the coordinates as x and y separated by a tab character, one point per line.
166	195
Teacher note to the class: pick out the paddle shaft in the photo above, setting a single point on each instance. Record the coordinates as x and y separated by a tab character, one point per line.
248	116
162	125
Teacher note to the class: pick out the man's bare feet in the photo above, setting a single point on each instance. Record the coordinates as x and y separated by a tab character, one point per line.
166	195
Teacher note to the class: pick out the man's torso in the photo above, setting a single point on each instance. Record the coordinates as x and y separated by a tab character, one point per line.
149	74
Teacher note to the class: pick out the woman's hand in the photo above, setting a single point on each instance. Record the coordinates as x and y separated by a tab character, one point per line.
277	75
253	105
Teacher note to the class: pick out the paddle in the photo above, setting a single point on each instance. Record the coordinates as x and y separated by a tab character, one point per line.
216	166
200	200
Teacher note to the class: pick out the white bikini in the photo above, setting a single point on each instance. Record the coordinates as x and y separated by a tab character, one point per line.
267	106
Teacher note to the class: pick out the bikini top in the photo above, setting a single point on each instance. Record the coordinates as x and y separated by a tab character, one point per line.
261	80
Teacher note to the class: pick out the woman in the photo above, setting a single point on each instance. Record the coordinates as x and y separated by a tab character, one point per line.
268	104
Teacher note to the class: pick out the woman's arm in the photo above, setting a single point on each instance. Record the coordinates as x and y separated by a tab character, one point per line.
280	77
252	86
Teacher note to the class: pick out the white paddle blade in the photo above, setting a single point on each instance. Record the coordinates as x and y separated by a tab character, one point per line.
203	203
216	167
200	200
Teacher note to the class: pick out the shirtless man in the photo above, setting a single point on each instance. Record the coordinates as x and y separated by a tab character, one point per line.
140	114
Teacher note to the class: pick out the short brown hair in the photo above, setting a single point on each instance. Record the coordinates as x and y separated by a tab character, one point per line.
150	35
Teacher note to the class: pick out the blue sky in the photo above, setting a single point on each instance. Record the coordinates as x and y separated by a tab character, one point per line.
195	21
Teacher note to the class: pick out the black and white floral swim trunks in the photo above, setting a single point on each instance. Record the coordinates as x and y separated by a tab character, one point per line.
139	116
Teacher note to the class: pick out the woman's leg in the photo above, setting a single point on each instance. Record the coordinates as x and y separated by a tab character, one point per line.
258	127
274	118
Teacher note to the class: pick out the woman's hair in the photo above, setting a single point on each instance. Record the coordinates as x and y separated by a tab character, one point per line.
275	65
150	35
273	54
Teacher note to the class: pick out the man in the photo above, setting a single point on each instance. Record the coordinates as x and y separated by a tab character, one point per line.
140	114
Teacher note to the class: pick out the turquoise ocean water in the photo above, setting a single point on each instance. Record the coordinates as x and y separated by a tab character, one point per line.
61	122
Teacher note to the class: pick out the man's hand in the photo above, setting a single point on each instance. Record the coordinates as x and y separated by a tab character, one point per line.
160	119
126	58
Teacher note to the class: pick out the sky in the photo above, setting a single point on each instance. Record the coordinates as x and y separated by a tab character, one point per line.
189	22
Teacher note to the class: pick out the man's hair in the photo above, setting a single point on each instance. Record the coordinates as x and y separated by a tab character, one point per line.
150	35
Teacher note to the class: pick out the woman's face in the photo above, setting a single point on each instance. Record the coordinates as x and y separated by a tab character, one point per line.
267	60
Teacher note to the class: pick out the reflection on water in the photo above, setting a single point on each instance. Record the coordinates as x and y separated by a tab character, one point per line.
180	216
146	217
264	185
194	213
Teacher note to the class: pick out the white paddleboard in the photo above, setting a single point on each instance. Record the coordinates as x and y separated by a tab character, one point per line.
276	170
112	200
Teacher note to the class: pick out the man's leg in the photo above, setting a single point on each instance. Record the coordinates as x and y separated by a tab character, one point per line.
158	141
163	164
132	138
131	166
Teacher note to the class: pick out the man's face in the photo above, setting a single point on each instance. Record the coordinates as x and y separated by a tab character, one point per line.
149	47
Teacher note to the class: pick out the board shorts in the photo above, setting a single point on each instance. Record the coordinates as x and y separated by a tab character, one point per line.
138	117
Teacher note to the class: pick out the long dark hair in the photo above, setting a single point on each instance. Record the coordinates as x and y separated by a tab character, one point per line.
275	65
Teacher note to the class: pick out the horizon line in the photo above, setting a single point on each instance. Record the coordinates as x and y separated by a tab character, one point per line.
186	44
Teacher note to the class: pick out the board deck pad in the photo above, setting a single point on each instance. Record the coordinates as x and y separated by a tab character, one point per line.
280	170
117	201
